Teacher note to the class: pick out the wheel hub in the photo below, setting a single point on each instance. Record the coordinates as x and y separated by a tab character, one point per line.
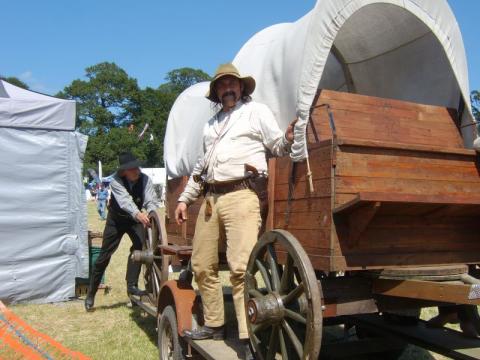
268	308
144	256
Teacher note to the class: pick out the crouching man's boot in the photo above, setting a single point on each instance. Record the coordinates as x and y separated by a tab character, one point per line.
206	332
95	279
90	299
132	289
133	272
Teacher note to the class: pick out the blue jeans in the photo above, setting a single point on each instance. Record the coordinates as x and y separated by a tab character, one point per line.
101	205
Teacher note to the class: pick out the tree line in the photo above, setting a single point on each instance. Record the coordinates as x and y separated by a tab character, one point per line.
117	114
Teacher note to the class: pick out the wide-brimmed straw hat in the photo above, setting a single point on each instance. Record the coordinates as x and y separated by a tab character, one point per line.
225	70
127	161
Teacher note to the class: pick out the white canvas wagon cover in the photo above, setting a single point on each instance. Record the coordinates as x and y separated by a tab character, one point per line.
409	50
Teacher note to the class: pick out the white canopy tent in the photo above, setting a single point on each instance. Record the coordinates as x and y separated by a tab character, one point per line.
402	49
43	225
159	178
157	175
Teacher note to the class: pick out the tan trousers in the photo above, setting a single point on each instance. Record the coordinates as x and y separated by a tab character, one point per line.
237	214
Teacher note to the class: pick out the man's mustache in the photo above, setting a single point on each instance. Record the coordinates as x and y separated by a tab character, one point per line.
228	93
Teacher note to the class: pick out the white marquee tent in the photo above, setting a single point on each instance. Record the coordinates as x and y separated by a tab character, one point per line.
43	225
402	49
156	174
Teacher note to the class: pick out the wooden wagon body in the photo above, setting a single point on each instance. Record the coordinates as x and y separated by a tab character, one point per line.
393	186
383	219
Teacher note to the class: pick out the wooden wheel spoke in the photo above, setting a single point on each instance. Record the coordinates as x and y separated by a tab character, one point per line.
259	327
148	239
156	269
272	344
157	277
287	276
272	261
255	293
297	344
295	316
298	277
263	271
283	345
294	294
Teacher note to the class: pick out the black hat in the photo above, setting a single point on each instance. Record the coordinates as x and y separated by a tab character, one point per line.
127	161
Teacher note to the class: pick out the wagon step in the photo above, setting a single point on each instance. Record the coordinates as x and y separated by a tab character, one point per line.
444	341
228	349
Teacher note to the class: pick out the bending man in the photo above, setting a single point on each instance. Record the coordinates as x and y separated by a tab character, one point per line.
131	191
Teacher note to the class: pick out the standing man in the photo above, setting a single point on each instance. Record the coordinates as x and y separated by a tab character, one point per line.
131	191
102	196
235	140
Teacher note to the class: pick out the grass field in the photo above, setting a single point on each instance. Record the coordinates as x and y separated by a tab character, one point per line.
115	330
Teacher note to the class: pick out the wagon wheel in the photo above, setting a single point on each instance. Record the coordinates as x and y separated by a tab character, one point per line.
155	272
284	313
170	346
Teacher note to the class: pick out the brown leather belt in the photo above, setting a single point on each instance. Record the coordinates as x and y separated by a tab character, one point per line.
227	186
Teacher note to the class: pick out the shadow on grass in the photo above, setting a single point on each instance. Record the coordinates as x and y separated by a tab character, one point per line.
145	322
111	306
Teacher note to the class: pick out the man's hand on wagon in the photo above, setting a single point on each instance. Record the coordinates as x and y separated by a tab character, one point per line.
181	213
143	219
289	131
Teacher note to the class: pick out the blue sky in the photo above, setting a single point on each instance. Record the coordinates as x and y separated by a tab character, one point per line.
49	43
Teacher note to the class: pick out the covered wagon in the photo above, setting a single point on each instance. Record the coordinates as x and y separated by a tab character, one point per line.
376	209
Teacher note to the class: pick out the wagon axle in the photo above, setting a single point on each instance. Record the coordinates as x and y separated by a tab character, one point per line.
144	256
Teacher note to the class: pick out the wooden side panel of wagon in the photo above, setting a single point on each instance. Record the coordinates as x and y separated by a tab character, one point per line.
393	186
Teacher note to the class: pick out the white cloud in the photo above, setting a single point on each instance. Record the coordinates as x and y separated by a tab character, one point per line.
25	76
32	82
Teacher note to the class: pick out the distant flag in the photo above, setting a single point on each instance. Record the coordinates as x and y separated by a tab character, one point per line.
145	128
94	175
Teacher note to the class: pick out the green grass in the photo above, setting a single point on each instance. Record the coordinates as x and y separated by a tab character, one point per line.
115	330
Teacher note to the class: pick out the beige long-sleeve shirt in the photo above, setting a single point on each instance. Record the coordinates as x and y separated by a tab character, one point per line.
233	139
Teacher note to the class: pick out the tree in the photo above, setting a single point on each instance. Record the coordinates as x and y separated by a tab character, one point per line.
475	98
107	99
154	107
113	110
180	79
106	147
15	81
